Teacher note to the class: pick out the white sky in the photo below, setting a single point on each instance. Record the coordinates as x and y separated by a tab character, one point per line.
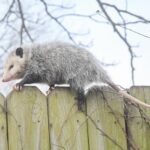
109	48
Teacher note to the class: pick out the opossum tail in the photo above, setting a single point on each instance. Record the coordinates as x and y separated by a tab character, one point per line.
128	96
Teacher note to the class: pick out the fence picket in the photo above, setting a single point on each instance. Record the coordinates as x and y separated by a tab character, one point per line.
3	126
27	120
106	124
68	125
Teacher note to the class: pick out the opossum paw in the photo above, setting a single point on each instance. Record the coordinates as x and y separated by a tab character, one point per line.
18	87
52	87
48	91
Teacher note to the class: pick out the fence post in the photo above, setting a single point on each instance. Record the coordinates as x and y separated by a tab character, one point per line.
3	126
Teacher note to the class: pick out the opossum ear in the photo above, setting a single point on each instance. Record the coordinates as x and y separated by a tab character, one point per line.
19	52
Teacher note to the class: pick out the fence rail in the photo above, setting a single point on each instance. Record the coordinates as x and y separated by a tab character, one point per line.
30	120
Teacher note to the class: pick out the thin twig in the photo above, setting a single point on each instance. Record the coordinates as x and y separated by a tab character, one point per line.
8	11
57	21
23	25
121	37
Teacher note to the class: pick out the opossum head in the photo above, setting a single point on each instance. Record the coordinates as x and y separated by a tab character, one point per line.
15	65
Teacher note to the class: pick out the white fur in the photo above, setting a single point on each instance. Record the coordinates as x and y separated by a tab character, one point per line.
91	85
18	65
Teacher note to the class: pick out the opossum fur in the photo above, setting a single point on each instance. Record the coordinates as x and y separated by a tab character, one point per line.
58	63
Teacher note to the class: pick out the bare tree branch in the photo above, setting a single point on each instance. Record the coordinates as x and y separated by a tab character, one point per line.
123	38
61	6
126	12
146	36
58	22
82	16
8	11
23	25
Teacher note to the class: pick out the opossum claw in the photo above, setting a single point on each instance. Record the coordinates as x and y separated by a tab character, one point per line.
51	87
18	87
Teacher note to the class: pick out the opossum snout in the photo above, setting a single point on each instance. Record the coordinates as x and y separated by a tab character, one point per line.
6	78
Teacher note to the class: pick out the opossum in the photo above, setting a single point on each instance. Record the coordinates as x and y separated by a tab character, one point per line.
58	63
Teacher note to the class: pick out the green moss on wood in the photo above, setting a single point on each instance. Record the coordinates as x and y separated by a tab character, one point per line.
139	119
28	120
3	126
68	126
106	124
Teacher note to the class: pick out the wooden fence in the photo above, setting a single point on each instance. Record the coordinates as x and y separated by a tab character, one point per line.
31	121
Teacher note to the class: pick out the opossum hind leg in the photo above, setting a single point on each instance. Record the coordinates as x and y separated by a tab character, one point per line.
80	97
51	87
79	91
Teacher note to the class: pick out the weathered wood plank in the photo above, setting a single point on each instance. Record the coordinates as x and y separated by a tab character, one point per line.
139	119
3	126
68	129
27	120
106	126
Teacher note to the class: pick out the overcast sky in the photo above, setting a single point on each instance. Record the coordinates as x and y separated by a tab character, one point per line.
109	48
106	45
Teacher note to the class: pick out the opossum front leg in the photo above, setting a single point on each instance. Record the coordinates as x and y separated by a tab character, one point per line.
80	97
28	79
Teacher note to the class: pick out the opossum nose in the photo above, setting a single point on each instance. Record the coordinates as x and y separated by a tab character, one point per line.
3	80
7	79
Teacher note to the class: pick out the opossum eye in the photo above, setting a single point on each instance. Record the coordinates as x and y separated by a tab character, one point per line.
19	52
11	66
